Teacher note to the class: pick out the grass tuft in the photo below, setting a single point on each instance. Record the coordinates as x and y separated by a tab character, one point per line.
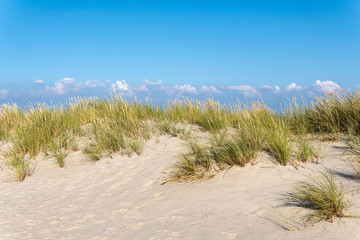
278	142
354	144
305	150
22	167
137	146
323	195
193	165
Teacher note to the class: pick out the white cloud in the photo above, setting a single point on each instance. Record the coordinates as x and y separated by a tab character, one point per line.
142	88
58	88
64	85
69	84
93	84
275	89
39	81
68	80
292	87
148	82
185	89
209	89
179	90
246	90
3	93
122	87
326	86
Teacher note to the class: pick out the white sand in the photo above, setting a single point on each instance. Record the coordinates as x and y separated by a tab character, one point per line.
122	198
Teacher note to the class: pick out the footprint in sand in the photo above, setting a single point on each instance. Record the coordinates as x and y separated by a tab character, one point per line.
177	217
70	207
135	226
159	195
170	235
115	186
148	183
99	238
229	235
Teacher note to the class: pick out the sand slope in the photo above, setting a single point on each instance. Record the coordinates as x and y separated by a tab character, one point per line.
122	198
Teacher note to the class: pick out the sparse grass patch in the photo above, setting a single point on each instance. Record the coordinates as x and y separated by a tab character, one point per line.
137	146
60	155
305	150
193	165
59	147
185	169
323	195
318	150
21	166
167	127
94	151
354	144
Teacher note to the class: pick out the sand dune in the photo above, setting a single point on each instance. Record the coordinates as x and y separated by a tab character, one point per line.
123	198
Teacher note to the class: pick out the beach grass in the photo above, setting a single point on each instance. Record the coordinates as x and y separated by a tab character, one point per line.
112	125
323	195
20	164
353	143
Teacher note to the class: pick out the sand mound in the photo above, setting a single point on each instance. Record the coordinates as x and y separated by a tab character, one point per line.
123	198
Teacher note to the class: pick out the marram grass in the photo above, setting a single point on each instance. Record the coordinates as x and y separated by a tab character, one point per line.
114	125
20	164
323	195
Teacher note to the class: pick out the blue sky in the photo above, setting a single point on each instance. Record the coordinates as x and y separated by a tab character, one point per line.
52	50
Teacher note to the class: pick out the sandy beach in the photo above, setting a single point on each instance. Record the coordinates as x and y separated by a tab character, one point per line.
179	120
124	198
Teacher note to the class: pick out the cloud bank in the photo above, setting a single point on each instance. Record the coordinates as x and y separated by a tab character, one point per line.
159	92
68	85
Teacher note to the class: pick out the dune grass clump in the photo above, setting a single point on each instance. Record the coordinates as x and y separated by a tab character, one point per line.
59	147
323	195
116	134
354	144
305	150
239	148
183	111
185	169
213	117
208	114
308	149
193	165
106	136
278	141
22	167
60	155
136	146
168	127
10	115
334	113
94	150
39	127
298	117
223	151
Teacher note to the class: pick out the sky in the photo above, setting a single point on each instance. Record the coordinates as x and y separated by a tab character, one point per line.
246	49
